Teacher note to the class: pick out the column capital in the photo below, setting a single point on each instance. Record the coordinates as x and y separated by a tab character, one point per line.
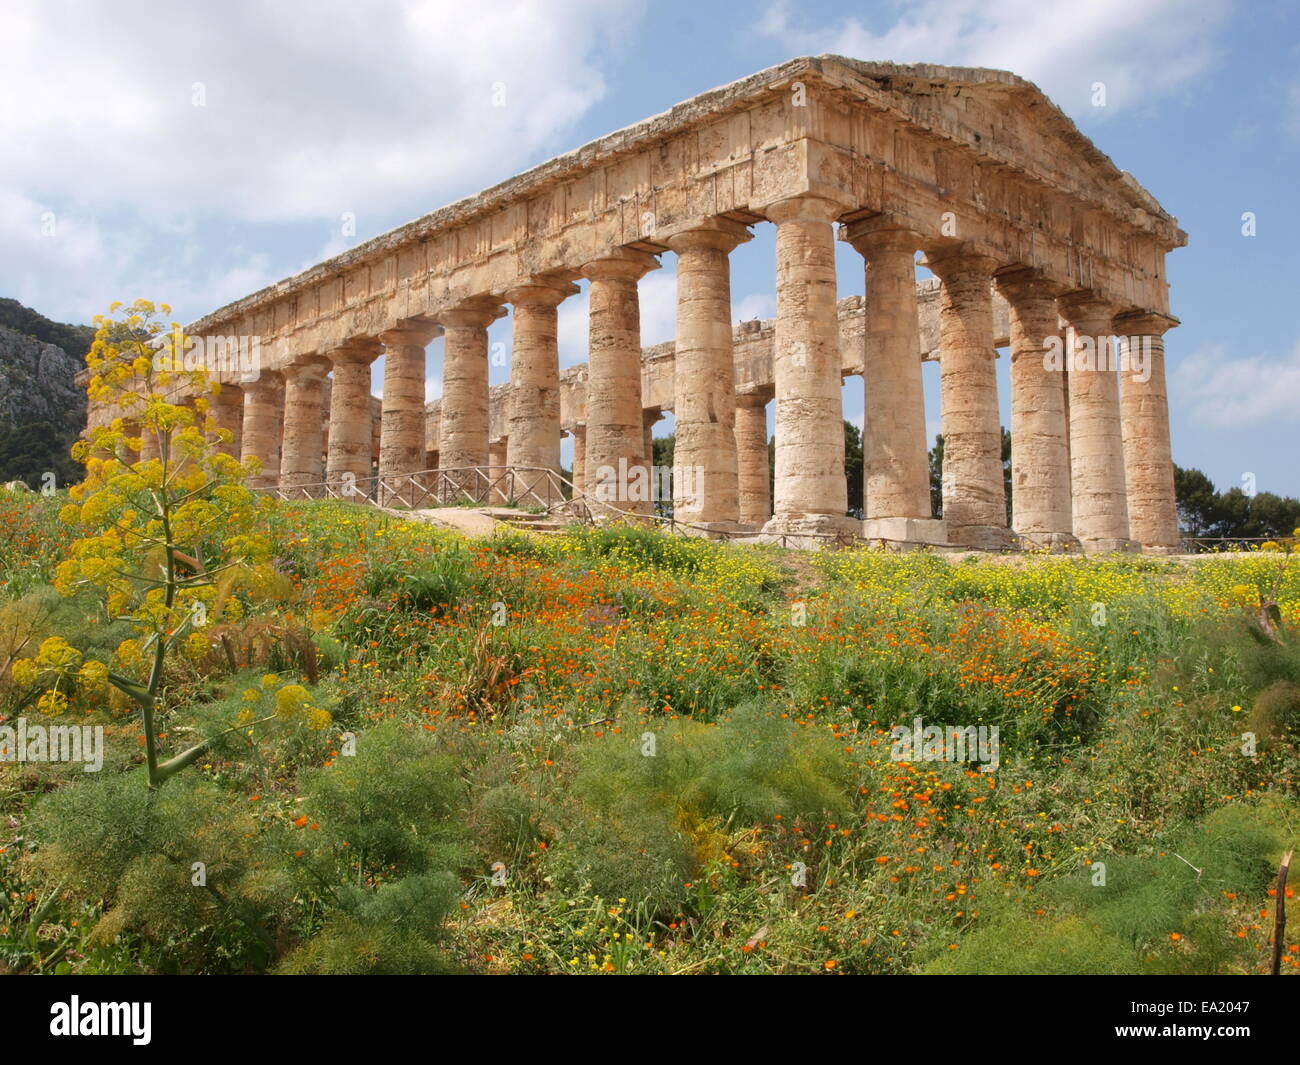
476	313
1021	283
959	259
626	263
267	380
880	233
412	331
718	234
1084	305
808	208
541	292
760	397
1145	323
311	366
360	350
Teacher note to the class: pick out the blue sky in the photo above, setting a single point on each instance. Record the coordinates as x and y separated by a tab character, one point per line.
192	153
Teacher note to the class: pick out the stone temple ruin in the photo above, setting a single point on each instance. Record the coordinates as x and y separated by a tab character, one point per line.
1035	238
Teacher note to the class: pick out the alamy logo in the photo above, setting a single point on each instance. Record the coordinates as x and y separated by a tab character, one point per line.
1105	354
21	742
640	484
102	1018
214	355
946	743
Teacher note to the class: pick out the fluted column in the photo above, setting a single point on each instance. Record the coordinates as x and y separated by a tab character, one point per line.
401	432
1100	496
463	419
1144	417
896	461
811	494
263	412
649	418
1040	456
301	462
704	376
533	401
615	443
227	410
974	498
580	458
753	479
351	430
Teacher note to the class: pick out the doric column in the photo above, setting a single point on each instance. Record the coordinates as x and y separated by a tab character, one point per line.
615	432
1100	498
227	410
401	432
498	474
1040	454
463	419
649	418
533	401
301	462
753	477
351	432
896	461
974	498
263	411
1144	417
811	494
704	376
580	458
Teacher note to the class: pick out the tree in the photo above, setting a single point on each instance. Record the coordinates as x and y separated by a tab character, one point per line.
1196	501
853	468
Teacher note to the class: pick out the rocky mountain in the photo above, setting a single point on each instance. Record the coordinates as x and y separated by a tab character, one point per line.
42	408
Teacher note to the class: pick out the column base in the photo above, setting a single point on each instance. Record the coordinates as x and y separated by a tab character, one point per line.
1161	549
1111	547
1054	543
809	531
984	537
906	532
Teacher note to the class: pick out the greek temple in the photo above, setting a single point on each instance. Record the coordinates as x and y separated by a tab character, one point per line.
1035	241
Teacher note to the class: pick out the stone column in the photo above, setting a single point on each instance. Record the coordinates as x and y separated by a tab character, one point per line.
351	432
755	490
896	460
533	401
1040	454
1144	417
263	410
615	442
463	413
580	458
227	411
1100	498
300	464
648	420
498	473
401	432
811	494
974	499
704	377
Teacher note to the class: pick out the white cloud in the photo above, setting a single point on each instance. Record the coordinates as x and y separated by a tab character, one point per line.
1140	49
384	109
1220	392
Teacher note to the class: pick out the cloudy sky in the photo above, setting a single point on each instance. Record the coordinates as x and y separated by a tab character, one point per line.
194	152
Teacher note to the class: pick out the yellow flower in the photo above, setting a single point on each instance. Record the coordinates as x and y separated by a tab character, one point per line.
52	703
291	700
